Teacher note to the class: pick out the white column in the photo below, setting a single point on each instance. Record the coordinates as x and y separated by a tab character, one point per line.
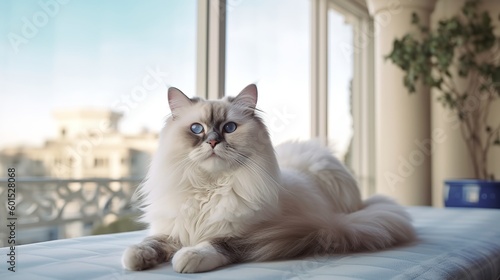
403	162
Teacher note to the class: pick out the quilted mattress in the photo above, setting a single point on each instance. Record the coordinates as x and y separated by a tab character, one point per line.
453	243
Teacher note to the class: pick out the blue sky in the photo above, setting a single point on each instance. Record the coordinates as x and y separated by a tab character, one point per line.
94	53
91	53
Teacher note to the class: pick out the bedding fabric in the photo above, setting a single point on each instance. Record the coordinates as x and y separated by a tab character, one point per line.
454	243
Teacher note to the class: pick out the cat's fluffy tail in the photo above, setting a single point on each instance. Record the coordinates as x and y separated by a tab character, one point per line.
380	224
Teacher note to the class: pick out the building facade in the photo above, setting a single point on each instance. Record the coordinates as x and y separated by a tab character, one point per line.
88	145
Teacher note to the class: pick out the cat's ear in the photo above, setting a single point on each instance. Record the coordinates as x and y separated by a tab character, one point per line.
248	96
177	99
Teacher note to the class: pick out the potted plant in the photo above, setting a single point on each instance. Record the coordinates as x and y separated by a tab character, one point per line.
461	47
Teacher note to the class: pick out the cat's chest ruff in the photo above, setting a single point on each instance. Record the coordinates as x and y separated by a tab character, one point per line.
214	203
213	210
203	200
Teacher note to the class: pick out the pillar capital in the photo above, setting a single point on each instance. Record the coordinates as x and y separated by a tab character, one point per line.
375	6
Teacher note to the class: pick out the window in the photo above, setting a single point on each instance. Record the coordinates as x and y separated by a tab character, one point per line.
342	84
268	44
77	55
338	108
311	59
100	162
340	64
120	55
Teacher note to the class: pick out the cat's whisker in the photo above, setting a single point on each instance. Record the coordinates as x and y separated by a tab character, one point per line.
258	170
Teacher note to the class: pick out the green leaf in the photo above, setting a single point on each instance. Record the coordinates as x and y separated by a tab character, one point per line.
429	57
495	75
414	18
461	116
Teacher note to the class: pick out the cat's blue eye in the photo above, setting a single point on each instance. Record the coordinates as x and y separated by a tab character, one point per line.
196	128
230	127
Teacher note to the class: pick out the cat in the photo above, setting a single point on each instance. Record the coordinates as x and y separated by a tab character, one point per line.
217	193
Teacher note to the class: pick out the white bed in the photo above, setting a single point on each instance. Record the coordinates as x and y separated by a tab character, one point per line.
454	243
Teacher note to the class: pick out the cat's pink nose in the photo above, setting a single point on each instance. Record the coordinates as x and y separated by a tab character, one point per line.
213	143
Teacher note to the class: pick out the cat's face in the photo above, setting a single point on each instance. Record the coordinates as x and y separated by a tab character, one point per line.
217	136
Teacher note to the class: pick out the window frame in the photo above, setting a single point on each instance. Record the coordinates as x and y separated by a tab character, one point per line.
211	49
363	84
210	81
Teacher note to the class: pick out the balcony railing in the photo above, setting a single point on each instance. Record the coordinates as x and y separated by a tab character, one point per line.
42	203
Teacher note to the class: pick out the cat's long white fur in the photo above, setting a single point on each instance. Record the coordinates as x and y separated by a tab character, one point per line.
322	211
297	201
174	192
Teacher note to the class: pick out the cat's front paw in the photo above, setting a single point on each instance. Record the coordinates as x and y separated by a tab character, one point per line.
200	258
139	257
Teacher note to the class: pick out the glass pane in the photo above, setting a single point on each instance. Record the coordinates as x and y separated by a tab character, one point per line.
268	44
84	95
117	55
340	73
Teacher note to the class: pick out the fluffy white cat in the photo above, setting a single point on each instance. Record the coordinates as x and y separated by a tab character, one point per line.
218	193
